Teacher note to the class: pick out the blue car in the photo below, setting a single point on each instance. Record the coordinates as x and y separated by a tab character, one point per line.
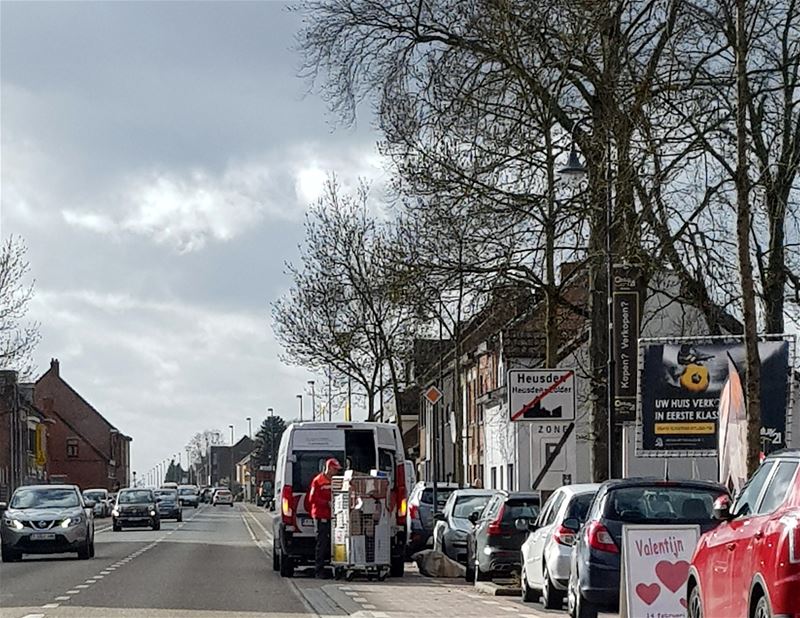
169	506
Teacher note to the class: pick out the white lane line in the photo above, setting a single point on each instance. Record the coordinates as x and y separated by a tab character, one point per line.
105	572
73	591
64	598
82	586
90	581
359	599
380	615
33	616
99	577
367	606
50	606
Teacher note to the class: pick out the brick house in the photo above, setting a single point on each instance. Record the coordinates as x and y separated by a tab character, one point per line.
224	459
83	447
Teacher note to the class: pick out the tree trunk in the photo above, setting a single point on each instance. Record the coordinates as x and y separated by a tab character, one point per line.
775	277
743	226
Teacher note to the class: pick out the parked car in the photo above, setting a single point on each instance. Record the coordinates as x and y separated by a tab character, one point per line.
222	496
168	504
493	544
419	518
547	549
135	507
265	495
101	499
303	450
595	565
46	519
169	485
188	495
453	524
749	565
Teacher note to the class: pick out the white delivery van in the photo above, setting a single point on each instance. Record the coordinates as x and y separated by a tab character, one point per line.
304	448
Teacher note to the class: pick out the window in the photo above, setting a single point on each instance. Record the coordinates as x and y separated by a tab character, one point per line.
501	477
747	500
579	507
555	507
307	465
494	478
656	503
510	485
72	447
778	486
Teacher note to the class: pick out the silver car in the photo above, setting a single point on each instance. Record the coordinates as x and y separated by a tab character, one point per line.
453	523
47	519
547	551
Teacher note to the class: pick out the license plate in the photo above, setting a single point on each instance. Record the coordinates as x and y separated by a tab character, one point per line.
43	536
306	521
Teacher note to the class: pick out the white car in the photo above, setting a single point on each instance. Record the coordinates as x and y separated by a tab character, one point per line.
222	496
547	550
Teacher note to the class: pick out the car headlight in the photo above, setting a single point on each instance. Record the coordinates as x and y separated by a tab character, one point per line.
13	523
71	521
152	513
115	513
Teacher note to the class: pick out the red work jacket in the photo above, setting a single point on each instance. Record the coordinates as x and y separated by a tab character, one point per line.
318	502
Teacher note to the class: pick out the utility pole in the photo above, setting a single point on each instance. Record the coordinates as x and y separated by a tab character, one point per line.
300	399
330	393
231	428
313	401
249	427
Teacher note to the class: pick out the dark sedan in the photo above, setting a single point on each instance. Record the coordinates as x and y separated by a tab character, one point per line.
169	504
493	545
135	507
595	573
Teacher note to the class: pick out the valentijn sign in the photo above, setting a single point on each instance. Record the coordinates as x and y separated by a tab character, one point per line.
626	299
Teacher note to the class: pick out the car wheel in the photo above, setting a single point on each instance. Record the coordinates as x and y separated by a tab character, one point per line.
231	504
286	566
481	575
551	597
469	573
180	517
116	527
157	525
762	609
583	608
397	566
9	555
695	603
83	552
91	549
276	563
529	595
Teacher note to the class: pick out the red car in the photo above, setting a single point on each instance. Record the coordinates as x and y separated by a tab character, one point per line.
749	565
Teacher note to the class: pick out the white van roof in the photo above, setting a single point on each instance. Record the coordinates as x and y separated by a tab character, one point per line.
314	434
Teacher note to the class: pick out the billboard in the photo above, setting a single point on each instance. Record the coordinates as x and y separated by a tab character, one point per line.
681	382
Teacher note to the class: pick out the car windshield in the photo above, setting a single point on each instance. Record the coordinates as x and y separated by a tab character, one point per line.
94	495
442	494
44	498
166	494
466	505
187	491
520	509
661	503
134	497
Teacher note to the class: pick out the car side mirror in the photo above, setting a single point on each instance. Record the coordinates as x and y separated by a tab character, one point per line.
722	509
438	516
473	517
90	504
523	525
571	524
3	506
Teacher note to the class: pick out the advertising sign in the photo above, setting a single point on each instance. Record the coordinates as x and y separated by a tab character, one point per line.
541	394
681	383
655	569
625	339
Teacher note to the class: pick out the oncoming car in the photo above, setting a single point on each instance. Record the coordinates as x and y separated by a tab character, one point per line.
223	496
135	507
47	519
168	504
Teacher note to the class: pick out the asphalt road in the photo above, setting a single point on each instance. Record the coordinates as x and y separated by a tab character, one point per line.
211	565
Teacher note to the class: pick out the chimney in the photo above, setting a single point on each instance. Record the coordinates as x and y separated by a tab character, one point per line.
54	366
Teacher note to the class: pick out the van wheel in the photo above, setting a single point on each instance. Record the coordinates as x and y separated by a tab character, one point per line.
397	567
286	566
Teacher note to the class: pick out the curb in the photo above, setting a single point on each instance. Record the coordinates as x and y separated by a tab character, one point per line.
495	590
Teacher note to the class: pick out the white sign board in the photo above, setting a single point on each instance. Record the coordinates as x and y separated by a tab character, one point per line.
541	394
655	569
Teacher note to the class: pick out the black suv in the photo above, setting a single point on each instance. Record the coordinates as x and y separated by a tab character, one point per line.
136	507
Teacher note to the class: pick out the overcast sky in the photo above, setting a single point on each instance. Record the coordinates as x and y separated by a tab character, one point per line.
158	158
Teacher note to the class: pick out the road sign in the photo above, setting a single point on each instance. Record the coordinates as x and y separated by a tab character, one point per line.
433	395
541	394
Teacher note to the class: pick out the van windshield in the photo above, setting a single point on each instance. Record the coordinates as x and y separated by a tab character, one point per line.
307	465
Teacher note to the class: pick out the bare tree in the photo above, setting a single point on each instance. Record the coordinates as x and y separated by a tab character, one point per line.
18	337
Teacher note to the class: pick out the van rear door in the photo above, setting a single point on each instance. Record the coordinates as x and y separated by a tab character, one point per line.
359	447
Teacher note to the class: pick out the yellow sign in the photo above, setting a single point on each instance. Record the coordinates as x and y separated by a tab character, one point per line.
41	452
685	428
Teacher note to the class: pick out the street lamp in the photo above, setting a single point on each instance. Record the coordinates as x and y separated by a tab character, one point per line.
231	428
575	170
270	411
249	427
313	401
300	399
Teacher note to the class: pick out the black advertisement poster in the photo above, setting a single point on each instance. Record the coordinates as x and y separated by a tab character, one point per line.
681	384
626	299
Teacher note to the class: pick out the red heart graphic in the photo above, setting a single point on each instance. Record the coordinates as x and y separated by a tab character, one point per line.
683	602
673	574
648	594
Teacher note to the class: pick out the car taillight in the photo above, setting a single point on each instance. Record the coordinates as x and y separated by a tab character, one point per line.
600	539
564	536
400	493
496	527
794	542
287	505
413	511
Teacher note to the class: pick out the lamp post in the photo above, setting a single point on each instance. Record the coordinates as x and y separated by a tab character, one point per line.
576	170
300	399
313	401
231	428
249	427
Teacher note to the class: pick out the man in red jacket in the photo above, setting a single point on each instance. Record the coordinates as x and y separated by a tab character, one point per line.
319	507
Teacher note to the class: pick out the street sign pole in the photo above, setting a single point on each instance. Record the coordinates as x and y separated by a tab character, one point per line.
433	395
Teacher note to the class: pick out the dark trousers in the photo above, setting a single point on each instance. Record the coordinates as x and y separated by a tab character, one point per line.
323	549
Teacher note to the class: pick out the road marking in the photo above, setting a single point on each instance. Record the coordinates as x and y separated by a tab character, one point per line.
90	581
359	599
509	609
367	606
33	616
64	598
73	591
105	572
82	586
50	606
